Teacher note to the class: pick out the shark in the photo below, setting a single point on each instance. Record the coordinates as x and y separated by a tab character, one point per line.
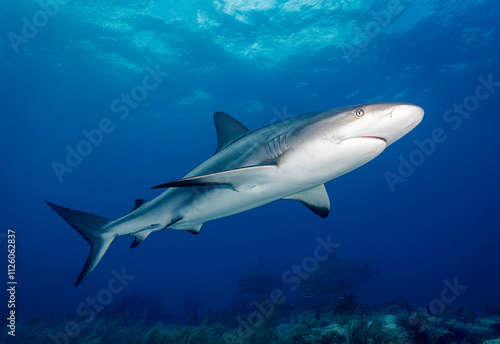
258	281
336	275
289	159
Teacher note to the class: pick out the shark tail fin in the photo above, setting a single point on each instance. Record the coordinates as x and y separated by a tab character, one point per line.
91	228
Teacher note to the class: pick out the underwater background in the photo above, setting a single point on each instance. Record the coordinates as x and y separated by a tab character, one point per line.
425	211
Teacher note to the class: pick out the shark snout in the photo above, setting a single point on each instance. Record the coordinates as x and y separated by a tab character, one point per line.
413	113
401	119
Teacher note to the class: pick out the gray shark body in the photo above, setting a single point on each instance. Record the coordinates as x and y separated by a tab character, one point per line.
258	281
336	275
290	159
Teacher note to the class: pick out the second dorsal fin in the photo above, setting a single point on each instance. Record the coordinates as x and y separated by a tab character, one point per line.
138	203
228	130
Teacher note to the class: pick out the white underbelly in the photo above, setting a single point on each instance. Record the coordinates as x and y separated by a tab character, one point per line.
222	202
299	172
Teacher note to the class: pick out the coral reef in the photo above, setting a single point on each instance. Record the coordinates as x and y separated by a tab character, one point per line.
140	319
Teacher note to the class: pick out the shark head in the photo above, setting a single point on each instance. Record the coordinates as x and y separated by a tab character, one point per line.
381	121
336	141
387	122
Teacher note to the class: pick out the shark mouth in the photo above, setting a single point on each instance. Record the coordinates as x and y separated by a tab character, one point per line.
374	138
363	137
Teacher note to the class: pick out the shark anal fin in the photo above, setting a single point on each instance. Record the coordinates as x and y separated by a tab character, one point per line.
142	234
140	237
240	179
228	130
315	199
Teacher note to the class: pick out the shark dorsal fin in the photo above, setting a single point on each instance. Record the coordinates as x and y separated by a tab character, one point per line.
138	203
228	130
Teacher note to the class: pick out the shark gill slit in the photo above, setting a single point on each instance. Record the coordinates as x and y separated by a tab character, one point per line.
277	146
283	142
275	150
272	153
268	152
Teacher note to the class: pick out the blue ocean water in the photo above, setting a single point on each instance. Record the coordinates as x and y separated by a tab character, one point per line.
148	77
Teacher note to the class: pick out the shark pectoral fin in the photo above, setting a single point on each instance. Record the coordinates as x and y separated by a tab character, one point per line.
228	130
240	179
315	199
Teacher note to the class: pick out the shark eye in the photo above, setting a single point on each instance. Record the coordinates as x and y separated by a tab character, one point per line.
358	113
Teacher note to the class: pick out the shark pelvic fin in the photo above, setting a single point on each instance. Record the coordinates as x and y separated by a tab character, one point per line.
239	179
315	199
228	130
194	230
91	228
